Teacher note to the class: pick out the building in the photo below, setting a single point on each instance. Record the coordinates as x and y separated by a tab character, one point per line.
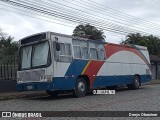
155	65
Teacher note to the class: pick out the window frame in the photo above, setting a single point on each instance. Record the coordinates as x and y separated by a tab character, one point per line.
32	54
49	59
90	53
97	49
80	49
104	54
74	51
21	55
59	55
89	50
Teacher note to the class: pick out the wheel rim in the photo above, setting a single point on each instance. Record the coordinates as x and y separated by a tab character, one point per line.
81	87
137	82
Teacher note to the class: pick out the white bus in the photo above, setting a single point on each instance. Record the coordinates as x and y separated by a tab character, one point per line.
55	62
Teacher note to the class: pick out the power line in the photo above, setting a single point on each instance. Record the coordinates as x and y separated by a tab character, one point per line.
99	9
27	13
61	13
72	17
136	19
39	10
64	0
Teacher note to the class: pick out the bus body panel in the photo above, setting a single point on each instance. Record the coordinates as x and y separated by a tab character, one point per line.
63	83
122	63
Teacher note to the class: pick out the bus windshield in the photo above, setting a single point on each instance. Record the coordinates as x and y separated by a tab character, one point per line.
34	55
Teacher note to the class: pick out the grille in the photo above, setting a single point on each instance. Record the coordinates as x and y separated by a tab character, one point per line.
31	76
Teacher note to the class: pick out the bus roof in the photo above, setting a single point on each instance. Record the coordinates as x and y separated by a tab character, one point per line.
80	38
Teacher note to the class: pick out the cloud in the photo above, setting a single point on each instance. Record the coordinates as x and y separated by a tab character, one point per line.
20	26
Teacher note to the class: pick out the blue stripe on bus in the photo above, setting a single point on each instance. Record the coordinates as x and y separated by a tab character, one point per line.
102	81
68	83
64	83
76	67
35	86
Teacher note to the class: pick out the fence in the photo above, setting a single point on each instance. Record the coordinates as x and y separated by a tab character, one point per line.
8	71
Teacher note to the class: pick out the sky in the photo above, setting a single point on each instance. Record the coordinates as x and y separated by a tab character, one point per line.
19	26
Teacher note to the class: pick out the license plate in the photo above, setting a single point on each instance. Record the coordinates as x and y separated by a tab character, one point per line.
30	87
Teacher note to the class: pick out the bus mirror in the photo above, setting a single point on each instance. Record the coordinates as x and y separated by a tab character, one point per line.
57	46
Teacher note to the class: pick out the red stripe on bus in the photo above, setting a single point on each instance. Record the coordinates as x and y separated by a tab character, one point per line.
112	49
92	70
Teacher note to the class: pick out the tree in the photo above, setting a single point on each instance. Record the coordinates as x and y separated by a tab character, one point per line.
150	41
2	34
8	49
132	38
89	31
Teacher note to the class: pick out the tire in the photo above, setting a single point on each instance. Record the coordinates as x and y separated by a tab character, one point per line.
52	93
135	85
80	87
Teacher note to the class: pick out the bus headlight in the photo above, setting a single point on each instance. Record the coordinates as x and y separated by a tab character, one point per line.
46	79
19	80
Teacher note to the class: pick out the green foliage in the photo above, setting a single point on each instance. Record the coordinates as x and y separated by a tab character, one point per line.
89	31
151	42
8	49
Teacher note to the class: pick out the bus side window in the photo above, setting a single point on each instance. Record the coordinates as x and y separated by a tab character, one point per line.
84	51
65	54
80	49
97	51
77	51
93	53
101	54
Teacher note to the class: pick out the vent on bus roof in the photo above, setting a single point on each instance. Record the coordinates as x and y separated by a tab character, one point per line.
33	38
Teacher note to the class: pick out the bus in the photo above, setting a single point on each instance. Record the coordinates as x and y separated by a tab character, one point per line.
60	63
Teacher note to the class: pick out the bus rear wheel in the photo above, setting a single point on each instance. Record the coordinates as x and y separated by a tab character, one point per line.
52	93
135	85
80	87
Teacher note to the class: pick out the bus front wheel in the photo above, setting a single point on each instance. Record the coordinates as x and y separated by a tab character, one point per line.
80	87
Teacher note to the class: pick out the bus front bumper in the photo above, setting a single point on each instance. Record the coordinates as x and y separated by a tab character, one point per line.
35	86
58	83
